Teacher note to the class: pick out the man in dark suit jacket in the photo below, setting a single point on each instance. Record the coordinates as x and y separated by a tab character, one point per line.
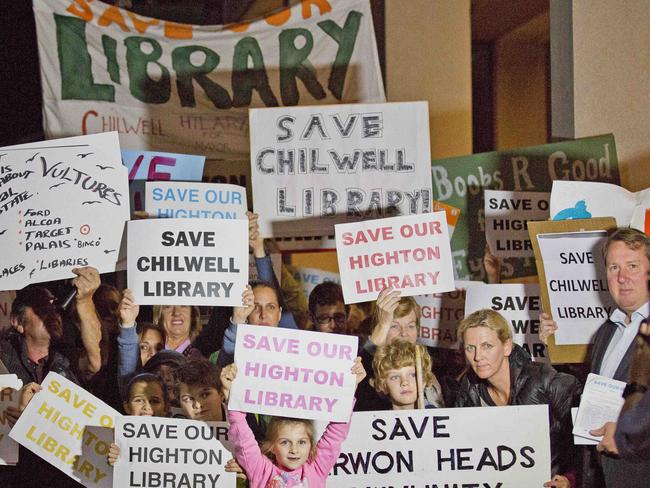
627	262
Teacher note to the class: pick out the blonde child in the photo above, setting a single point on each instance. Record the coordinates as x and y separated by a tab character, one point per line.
290	456
395	376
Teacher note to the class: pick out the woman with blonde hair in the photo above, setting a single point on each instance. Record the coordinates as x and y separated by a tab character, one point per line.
502	373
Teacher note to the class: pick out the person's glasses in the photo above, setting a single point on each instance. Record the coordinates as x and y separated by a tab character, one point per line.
339	318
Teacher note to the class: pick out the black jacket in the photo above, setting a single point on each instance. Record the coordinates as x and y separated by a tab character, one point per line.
534	384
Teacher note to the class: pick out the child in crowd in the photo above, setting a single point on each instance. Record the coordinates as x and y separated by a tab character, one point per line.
395	376
199	390
290	456
147	396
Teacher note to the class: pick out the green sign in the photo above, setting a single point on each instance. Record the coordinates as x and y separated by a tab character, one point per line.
460	182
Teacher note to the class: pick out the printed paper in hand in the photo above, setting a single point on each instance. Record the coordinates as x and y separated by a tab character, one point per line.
601	402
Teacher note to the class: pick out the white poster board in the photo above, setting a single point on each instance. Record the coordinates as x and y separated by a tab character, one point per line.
188	261
520	305
294	373
452	447
577	285
8	447
588	199
441	314
506	215
410	253
157	452
63	205
324	165
189	200
70	429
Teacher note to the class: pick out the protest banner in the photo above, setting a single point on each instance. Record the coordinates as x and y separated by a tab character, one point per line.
309	278
294	373
446	447
182	88
188	261
52	194
520	305
166	452
9	397
314	167
154	166
410	253
460	182
6	299
180	200
576	282
572	353
506	220
584	200
70	429
441	313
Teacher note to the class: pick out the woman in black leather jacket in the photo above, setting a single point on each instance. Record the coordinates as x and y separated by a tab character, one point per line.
502	373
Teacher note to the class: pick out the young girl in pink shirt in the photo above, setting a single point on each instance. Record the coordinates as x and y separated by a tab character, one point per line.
290	456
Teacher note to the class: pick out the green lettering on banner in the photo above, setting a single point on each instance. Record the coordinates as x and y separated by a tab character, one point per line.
141	85
245	79
294	64
77	81
345	37
110	50
186	72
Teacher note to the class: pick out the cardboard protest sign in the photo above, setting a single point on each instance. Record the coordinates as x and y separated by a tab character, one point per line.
294	373
157	451
174	87
309	278
506	216
188	261
70	429
51	196
326	165
441	313
584	200
410	253
519	304
576	282
9	397
166	199
575	353
446	447
154	166
460	182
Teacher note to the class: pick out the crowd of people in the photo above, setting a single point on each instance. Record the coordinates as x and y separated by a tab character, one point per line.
154	361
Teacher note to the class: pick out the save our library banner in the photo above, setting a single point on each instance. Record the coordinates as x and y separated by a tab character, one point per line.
186	88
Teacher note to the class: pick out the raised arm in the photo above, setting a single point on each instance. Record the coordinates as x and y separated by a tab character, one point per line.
90	327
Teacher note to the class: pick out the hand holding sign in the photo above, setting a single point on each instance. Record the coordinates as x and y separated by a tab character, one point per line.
387	302
240	314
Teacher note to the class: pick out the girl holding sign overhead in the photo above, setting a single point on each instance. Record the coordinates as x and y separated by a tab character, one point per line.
290	456
502	373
